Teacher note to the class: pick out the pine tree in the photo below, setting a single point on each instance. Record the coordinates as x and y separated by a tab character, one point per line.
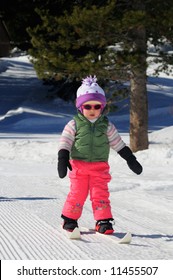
109	39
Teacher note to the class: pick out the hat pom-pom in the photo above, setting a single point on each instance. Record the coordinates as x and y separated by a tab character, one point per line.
88	81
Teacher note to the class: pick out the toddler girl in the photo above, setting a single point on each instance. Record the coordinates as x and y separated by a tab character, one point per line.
84	148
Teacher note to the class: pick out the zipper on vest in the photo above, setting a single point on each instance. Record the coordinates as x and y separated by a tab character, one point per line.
92	137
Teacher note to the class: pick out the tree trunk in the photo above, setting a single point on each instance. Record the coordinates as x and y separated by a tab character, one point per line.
138	98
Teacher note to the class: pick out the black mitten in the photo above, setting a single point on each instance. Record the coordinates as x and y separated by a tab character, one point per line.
63	163
133	164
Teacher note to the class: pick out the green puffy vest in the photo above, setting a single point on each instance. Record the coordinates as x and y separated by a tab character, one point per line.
91	142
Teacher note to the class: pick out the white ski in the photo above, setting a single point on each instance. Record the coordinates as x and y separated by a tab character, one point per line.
125	239
75	234
79	233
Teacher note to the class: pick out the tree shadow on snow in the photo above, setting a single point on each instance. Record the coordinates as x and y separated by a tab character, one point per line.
165	237
4	199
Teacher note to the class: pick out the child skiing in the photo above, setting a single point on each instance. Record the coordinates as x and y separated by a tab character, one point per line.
84	148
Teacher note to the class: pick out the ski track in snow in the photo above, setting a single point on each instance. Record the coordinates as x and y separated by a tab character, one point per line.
24	235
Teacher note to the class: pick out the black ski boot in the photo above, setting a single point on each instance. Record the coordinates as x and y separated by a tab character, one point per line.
69	224
104	226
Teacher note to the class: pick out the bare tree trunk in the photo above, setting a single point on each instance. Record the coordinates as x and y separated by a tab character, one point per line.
138	98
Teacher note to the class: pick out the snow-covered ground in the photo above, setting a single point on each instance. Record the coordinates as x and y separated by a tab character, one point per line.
32	195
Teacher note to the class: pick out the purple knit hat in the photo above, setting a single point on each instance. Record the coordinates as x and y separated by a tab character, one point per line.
90	90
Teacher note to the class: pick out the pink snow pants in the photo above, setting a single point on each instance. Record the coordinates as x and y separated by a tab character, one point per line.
88	178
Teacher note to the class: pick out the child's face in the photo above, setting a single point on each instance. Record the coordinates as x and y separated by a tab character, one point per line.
92	113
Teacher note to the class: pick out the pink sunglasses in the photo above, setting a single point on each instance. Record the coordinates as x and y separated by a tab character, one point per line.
94	106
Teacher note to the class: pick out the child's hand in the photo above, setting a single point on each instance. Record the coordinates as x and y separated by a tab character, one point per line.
134	165
63	163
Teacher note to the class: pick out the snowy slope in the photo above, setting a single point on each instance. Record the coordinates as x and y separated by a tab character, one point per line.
32	195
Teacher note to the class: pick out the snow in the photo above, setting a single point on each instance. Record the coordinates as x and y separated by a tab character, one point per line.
32	195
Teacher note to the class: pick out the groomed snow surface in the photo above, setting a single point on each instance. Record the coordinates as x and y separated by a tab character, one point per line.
32	195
